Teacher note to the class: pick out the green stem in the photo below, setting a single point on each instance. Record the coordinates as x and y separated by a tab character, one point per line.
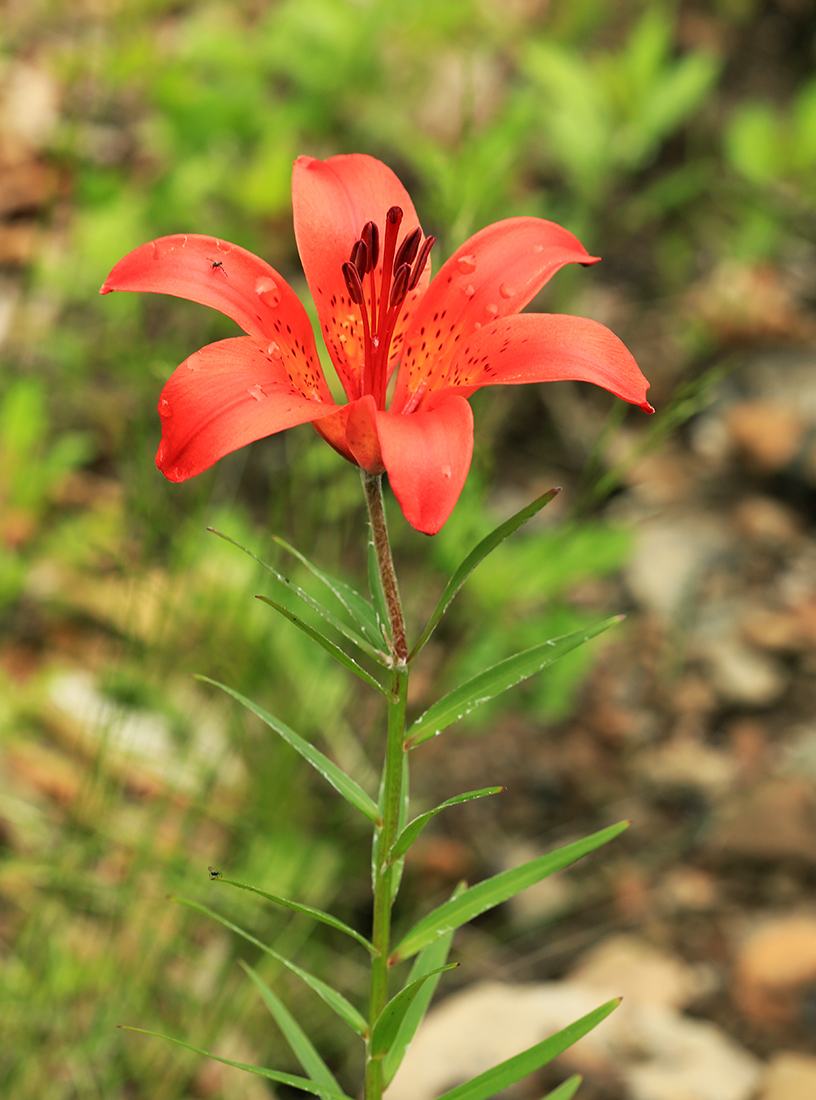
393	779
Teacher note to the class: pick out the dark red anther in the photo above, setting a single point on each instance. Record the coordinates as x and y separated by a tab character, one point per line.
371	236
353	282
400	286
359	257
422	259
408	249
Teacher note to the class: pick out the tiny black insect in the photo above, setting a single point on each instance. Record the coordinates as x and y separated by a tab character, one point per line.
218	264
214	872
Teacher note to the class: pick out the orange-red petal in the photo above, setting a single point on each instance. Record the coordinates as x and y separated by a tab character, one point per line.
427	456
548	347
332	200
224	396
494	274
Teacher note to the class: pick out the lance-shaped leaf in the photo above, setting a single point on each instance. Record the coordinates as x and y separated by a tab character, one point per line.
355	604
331	647
483	687
428	963
566	1090
390	1019
342	783
497	889
299	907
324	612
294	1034
475	557
414	828
520	1065
291	1079
335	1000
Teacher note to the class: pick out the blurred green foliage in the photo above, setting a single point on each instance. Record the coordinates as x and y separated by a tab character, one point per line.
645	127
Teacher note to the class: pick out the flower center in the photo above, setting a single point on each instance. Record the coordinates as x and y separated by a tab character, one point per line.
380	292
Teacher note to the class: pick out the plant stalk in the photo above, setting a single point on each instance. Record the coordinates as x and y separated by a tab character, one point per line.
393	784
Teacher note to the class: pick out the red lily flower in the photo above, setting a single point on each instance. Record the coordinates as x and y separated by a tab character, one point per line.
366	263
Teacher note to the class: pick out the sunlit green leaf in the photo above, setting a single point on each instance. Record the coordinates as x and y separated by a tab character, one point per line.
497	889
298	907
342	783
483	687
270	1074
390	1019
521	1065
336	1001
477	555
411	831
331	647
566	1090
327	615
357	606
294	1034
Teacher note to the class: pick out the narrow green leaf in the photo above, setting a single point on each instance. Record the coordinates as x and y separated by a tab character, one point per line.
412	831
260	1071
331	647
390	1019
483	687
294	1034
497	889
476	556
355	604
336	1001
308	910
566	1090
521	1065
428	963
342	783
324	612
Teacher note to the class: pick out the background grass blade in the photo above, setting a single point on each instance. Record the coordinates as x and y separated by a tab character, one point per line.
353	601
520	1065
260	1071
497	889
342	783
307	910
477	555
415	827
483	687
566	1090
335	1000
429	962
294	1034
388	1023
331	647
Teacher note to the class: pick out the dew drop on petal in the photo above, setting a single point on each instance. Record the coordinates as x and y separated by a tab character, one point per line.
257	392
538	248
274	350
466	264
165	408
492	309
267	291
155	250
470	290
506	290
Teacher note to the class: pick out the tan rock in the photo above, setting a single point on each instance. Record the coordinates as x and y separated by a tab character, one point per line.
767	435
774	820
774	968
790	1077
